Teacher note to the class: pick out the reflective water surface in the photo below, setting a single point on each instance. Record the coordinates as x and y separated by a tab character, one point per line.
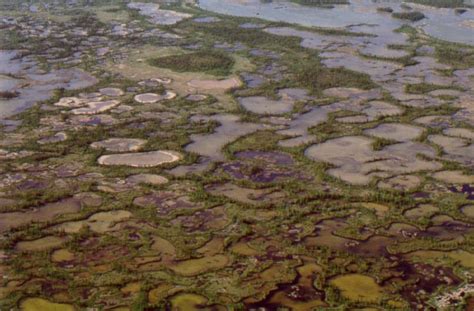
444	24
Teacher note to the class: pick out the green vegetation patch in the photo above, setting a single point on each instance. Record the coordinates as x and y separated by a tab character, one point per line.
187	301
230	32
317	78
320	3
209	61
380	143
8	94
385	9
358	287
441	3
452	54
423	88
194	267
37	304
411	16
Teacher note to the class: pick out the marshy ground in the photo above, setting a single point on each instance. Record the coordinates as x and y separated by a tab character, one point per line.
158	157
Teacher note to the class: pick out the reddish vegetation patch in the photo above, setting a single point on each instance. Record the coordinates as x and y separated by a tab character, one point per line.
263	167
427	279
165	202
277	158
104	255
32	185
8	94
466	189
205	220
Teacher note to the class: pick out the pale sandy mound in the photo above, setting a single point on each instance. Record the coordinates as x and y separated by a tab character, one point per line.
119	144
56	138
225	84
151	98
144	159
157	15
70	102
96	107
111	91
468	23
459	132
454	177
151	179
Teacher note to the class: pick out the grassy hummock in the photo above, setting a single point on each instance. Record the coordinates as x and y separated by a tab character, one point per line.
385	9
423	88
209	61
411	16
441	3
321	3
317	78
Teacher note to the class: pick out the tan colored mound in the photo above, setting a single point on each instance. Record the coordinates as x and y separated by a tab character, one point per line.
151	98
111	91
454	177
96	107
120	144
144	159
225	84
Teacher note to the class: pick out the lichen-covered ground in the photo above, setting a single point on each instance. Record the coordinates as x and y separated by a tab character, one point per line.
179	159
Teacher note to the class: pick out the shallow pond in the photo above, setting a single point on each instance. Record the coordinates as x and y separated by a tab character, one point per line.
230	128
32	84
441	23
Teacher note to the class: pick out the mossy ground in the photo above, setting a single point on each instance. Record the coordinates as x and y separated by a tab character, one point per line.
209	61
190	248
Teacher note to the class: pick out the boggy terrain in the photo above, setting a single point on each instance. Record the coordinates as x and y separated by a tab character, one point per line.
160	156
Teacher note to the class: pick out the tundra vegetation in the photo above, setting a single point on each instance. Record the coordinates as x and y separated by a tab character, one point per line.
189	160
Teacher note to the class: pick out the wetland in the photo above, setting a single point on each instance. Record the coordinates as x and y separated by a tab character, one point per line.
236	155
